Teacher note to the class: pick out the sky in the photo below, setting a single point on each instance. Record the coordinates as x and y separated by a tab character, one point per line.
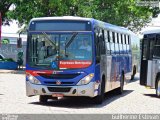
13	28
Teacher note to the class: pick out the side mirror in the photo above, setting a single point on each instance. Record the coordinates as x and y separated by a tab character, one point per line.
19	42
97	59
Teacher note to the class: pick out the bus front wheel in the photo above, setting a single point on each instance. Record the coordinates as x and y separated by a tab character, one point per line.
43	98
158	87
99	98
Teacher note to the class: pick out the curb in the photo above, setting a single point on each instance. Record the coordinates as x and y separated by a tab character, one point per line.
12	72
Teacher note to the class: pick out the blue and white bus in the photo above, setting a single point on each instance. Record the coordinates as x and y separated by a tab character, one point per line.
75	56
150	59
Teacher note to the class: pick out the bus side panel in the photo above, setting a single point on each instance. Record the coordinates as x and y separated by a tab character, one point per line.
114	73
105	69
150	77
120	67
109	67
128	67
153	70
118	73
149	73
125	67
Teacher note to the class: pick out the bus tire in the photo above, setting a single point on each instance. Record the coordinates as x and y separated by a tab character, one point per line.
158	87
120	89
99	98
43	98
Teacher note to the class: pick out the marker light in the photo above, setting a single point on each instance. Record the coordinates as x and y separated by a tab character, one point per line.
32	79
86	79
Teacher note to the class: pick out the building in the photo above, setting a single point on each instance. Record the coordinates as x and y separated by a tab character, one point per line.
10	50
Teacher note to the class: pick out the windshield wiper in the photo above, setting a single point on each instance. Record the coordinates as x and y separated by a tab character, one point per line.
46	36
68	43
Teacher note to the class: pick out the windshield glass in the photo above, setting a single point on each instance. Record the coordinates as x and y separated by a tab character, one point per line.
60	51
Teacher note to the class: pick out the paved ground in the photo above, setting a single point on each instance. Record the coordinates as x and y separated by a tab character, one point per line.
136	99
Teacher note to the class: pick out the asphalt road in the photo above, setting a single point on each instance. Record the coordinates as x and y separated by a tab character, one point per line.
135	99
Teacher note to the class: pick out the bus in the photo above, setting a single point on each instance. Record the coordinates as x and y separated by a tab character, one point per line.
150	60
75	56
135	43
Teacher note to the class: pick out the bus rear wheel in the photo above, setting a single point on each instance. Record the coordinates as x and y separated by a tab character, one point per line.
99	98
43	98
158	87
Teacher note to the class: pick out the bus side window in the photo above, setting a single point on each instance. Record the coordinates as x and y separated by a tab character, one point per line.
145	49
111	42
127	48
98	34
124	44
96	44
151	48
107	39
116	44
107	44
120	43
148	47
129	45
157	48
102	43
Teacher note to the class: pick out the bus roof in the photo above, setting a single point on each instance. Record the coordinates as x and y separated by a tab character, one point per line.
114	28
62	18
94	21
151	30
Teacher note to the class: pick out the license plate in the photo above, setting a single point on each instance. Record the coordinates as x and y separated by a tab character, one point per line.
57	95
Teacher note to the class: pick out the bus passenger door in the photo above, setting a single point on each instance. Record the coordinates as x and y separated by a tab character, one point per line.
103	59
108	61
146	60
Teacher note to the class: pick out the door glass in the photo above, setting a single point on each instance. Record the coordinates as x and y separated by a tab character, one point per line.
145	46
151	46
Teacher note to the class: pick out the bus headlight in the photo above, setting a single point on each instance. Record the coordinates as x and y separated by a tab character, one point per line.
32	79
86	79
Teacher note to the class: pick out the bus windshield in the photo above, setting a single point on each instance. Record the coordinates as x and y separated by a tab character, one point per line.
59	51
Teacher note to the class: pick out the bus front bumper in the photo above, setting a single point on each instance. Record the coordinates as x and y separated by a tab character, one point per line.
89	90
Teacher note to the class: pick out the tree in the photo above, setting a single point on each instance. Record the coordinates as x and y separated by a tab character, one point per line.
124	13
26	10
4	8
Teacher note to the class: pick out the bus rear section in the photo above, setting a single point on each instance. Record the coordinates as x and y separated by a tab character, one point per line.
150	62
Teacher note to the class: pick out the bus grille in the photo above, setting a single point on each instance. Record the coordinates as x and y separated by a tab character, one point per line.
58	76
62	83
59	89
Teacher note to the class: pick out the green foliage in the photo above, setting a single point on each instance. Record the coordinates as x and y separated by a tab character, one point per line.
7	60
5	41
4	7
124	13
26	10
